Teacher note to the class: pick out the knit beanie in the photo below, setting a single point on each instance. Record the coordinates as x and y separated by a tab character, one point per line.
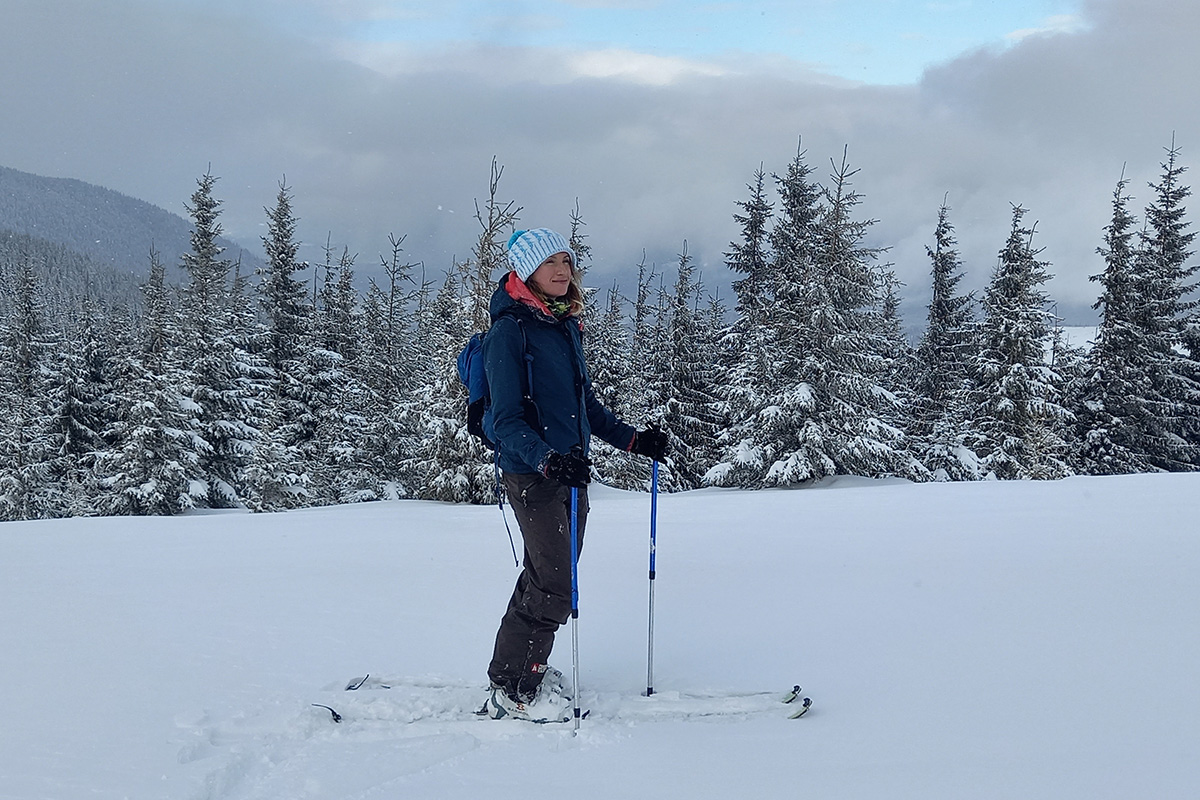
528	249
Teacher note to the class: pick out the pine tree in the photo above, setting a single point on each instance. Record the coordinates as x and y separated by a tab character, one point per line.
1017	412
1163	285
490	252
28	489
857	417
578	241
829	414
1111	412
285	452
339	323
215	366
81	396
769	417
609	349
274	479
452	465
153	466
689	410
746	345
942	361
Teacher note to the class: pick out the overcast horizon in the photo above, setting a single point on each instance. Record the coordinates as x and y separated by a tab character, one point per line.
653	116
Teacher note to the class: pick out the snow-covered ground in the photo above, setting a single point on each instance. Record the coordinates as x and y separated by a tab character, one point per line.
989	640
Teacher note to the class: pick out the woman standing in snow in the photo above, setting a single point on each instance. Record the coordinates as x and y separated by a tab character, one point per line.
544	415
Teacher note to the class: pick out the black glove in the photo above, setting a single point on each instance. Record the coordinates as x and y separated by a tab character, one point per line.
569	470
652	443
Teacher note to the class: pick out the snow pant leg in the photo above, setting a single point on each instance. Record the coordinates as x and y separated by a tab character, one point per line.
541	600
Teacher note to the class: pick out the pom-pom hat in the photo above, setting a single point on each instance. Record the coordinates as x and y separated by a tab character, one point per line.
528	249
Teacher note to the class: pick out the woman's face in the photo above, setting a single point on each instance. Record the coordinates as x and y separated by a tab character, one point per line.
553	277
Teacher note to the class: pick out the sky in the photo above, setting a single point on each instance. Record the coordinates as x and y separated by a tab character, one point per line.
650	117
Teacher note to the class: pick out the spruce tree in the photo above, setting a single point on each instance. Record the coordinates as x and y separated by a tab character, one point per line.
215	366
746	345
153	466
28	489
450	463
1112	415
1018	416
610	349
771	419
1163	279
689	407
941	364
278	475
490	253
81	396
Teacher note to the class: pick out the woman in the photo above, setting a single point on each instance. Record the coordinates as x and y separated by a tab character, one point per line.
544	415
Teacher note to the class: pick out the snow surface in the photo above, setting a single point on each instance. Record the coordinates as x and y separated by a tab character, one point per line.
964	640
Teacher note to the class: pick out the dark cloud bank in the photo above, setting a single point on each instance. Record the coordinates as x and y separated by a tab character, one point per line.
141	97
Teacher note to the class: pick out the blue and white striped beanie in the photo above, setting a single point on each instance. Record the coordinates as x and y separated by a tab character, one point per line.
528	249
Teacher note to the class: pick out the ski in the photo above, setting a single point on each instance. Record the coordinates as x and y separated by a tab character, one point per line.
367	697
358	683
794	696
482	713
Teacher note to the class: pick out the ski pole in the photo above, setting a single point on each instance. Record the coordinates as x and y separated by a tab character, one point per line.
575	601
653	548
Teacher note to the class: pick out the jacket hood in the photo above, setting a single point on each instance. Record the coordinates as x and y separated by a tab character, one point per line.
513	296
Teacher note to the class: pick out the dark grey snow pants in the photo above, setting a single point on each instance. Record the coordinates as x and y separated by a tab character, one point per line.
541	601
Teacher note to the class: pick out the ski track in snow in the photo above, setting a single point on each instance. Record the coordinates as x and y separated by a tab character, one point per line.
393	728
986	641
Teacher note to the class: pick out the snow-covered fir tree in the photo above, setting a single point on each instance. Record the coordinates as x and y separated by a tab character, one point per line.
81	393
283	300
1018	418
746	345
942	363
274	479
153	466
1165	291
28	489
216	367
490	253
771	422
451	464
896	354
689	402
857	416
1111	411
609	352
829	413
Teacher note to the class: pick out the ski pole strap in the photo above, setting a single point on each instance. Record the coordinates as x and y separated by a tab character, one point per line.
503	516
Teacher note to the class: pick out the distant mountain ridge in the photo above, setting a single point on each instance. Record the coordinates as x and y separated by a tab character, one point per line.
107	226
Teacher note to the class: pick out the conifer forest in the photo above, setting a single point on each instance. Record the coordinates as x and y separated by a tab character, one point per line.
290	385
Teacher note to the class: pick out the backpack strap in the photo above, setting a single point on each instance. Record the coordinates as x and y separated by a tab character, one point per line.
528	398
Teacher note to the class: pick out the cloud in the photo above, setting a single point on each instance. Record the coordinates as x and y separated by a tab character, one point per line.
507	65
1060	23
141	96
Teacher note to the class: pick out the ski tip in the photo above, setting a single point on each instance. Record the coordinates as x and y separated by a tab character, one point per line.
805	705
336	716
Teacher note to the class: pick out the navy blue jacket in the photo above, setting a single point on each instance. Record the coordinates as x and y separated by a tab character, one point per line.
565	412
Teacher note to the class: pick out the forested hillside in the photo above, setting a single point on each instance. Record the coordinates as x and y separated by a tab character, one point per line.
109	227
287	386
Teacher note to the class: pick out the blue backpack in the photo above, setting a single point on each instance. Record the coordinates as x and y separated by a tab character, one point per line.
479	396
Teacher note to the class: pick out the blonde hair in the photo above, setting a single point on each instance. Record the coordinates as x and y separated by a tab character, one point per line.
574	295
